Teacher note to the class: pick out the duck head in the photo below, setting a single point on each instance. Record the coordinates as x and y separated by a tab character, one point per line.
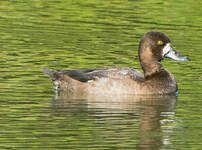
153	47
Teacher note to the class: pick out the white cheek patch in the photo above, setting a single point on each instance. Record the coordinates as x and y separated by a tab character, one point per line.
167	48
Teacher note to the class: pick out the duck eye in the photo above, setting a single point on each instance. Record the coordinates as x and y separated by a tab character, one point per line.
160	42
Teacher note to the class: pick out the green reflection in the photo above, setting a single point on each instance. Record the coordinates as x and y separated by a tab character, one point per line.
86	34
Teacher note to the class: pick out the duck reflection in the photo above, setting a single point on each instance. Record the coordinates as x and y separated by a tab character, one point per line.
149	112
154	113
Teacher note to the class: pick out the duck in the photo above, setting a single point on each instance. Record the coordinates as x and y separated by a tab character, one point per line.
154	46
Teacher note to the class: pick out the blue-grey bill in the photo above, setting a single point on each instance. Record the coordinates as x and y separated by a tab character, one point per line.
176	56
169	52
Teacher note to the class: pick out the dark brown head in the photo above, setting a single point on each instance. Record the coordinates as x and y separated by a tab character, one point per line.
154	46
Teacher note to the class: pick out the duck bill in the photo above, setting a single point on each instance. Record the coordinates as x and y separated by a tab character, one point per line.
169	52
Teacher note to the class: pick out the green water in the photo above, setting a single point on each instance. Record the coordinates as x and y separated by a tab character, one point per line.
84	34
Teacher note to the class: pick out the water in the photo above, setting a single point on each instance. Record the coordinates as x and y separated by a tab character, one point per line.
85	34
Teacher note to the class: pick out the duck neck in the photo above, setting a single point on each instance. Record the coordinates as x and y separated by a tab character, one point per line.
151	67
148	60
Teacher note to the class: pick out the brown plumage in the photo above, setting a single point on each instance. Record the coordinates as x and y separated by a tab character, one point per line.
154	46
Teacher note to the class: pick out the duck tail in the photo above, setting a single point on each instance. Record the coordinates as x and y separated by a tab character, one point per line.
50	73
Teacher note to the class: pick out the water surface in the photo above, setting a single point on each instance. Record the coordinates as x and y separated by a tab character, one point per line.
86	34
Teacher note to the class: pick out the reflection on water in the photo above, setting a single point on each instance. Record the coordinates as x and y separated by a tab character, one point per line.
147	113
87	34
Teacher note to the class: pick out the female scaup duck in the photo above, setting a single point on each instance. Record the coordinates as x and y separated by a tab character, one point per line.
153	47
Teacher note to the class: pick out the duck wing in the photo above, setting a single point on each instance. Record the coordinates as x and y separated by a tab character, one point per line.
85	75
